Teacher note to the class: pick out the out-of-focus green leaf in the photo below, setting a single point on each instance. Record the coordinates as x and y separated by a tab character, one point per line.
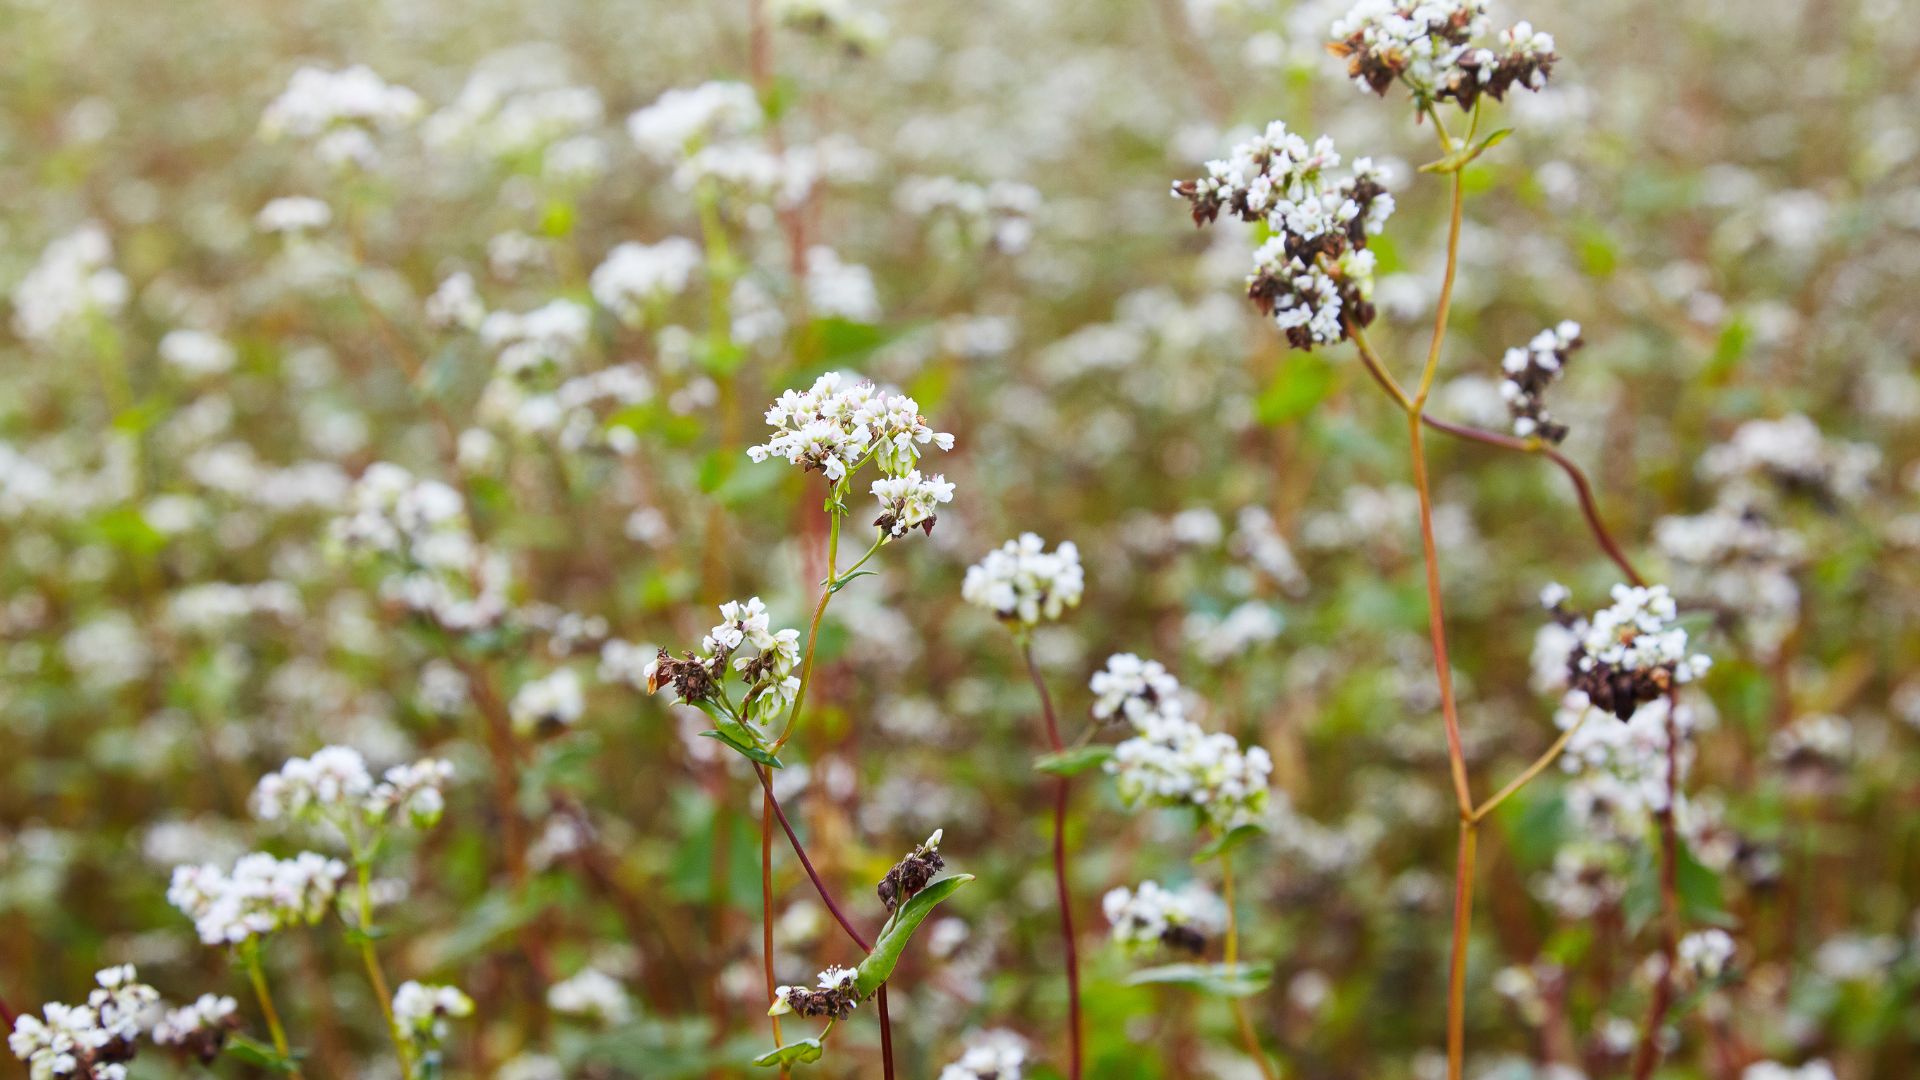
259	1054
1302	383
1220	980
804	1052
1228	841
1074	761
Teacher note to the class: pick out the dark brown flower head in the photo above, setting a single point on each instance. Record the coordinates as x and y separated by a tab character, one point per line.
692	678
1184	939
912	873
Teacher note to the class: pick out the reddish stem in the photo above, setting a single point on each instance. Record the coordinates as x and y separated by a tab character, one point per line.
1647	1056
819	886
1060	791
7	1015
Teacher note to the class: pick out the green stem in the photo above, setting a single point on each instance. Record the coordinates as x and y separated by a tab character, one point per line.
813	631
250	958
370	958
1232	948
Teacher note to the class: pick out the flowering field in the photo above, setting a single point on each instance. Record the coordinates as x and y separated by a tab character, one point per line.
857	538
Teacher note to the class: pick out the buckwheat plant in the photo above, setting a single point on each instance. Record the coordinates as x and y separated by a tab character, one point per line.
1315	277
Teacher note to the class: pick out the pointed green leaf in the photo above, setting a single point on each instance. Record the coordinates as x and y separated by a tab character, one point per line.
878	966
1221	980
848	580
254	1052
748	751
1227	841
1460	158
804	1052
1072	762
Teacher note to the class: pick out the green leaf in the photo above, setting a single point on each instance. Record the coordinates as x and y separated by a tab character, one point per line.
1227	841
1072	762
1300	385
258	1053
746	750
836	586
878	966
804	1052
1221	980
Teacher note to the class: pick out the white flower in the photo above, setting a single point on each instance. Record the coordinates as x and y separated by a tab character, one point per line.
635	275
1135	690
72	280
292	214
1150	916
552	703
1771	1070
840	290
834	427
422	1010
456	302
1022	582
209	1015
317	101
592	995
259	895
681	119
1792	452
909	502
1704	954
995	1054
91	1041
1173	763
334	786
196	352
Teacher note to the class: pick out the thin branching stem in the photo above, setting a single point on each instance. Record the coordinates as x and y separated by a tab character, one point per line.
1646	1056
766	910
250	958
1539	764
813	631
1231	950
370	959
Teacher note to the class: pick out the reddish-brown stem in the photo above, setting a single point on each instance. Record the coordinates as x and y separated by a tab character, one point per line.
766	906
1457	964
1592	512
1060	791
833	906
7	1015
1647	1055
1436	622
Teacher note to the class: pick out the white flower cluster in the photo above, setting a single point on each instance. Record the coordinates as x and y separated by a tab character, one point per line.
1217	639
768	671
73	280
636	276
857	29
422	1010
1705	954
998	215
1792	453
549	704
517	104
1626	654
1150	916
1024	583
339	112
212	606
443	570
334	786
1428	44
292	215
456	303
546	337
92	1041
1529	371
1314	276
840	290
1141	692
198	1027
909	502
835	427
833	988
681	120
197	353
259	895
593	995
995	1054
1621	765
1170	760
1817	739
1735	559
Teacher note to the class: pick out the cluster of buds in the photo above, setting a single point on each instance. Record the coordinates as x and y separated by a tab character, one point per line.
1428	45
95	1040
1314	276
335	787
1524	58
1529	371
199	1031
768	672
909	502
1629	653
834	428
912	873
259	895
1151	916
833	996
422	1010
1023	583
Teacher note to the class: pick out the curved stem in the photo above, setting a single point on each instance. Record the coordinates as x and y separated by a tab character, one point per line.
1532	770
1060	792
1436	622
258	977
1232	950
370	959
1445	305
